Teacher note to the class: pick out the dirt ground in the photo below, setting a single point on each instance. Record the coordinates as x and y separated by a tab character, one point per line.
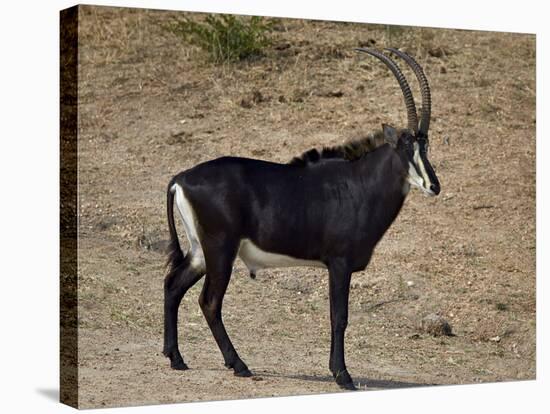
151	106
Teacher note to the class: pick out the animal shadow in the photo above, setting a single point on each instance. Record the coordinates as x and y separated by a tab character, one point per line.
361	383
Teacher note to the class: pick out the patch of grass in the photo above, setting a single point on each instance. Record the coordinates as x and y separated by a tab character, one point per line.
313	306
226	37
401	287
501	306
489	108
491	328
119	315
393	33
471	251
481	82
483	371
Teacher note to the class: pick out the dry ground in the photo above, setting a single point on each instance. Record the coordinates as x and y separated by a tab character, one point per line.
151	106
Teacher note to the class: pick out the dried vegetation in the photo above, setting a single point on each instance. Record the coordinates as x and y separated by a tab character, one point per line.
151	105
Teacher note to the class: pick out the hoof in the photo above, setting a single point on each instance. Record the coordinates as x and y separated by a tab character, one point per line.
343	379
176	360
350	386
240	369
179	365
244	373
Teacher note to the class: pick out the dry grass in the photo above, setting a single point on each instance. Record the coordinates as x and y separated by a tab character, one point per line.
151	106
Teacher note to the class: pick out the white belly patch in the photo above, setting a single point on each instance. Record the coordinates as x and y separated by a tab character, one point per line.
255	258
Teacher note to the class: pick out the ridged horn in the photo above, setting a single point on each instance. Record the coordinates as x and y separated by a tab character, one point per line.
407	94
424	88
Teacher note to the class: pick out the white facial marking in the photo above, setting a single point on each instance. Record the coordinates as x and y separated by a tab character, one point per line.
255	258
421	182
420	164
188	217
413	178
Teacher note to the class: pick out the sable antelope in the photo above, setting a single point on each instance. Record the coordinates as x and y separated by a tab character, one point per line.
326	208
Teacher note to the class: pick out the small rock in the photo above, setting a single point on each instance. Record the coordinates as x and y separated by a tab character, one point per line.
178	137
282	46
245	103
495	339
436	325
335	94
410	283
106	223
254	98
367	43
258	97
329	93
438	52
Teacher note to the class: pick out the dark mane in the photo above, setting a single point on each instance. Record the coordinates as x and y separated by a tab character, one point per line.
350	150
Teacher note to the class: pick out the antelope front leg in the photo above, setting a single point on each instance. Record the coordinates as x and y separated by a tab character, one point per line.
339	281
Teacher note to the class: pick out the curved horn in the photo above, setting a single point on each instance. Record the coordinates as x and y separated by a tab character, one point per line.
424	88
407	94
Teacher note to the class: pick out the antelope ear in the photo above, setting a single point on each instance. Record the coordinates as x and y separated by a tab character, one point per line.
390	133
